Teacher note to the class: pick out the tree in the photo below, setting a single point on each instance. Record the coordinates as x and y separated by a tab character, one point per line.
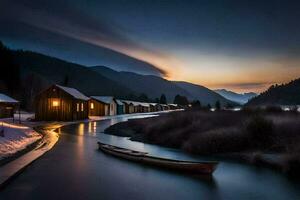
163	99
196	104
181	100
218	105
143	98
10	71
66	80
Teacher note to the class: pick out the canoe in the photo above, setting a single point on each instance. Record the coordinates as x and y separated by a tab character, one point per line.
204	167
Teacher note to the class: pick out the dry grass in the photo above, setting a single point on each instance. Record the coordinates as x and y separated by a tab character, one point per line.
203	132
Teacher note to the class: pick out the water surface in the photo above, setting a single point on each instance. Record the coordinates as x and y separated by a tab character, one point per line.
76	169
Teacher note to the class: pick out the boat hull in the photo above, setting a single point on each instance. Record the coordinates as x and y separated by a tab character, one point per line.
140	157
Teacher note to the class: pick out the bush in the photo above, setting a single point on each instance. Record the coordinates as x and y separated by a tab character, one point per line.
260	130
273	109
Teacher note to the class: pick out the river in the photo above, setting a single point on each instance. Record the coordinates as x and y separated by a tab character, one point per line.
76	169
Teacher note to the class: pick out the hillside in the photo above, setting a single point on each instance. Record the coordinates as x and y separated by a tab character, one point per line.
59	71
35	71
285	94
38	71
236	97
205	95
154	86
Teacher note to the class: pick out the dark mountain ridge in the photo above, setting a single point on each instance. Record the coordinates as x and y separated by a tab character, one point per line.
233	96
284	94
154	86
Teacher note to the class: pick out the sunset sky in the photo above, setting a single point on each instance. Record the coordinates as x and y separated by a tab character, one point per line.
238	45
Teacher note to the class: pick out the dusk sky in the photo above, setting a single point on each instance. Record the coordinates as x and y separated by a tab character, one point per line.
238	45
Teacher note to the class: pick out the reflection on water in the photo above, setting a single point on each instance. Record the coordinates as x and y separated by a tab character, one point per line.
230	180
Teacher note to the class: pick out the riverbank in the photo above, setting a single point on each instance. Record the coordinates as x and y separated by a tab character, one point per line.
15	140
265	139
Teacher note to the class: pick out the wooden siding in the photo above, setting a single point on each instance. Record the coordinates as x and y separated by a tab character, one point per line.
66	108
100	109
7	110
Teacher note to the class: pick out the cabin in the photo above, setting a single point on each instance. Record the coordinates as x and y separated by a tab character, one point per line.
8	106
136	107
158	107
120	107
152	107
145	107
165	107
61	103
102	106
129	108
173	106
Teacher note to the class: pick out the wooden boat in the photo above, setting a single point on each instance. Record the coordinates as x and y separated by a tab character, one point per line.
206	167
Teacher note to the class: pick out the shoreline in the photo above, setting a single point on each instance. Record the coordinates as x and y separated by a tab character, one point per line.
270	160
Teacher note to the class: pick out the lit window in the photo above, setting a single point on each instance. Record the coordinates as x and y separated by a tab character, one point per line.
81	106
92	105
77	107
55	103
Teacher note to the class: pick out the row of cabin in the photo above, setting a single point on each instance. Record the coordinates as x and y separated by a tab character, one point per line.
67	104
8	106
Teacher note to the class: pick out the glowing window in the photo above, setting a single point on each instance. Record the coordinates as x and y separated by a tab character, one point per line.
92	105
77	107
81	106
55	103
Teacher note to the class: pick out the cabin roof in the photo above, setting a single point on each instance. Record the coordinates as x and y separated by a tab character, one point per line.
172	104
145	104
119	102
104	99
6	99
73	92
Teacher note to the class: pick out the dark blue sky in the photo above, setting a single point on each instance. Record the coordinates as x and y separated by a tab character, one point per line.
240	45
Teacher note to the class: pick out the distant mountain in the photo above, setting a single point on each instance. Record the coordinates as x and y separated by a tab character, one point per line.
34	72
236	97
38	71
285	94
205	95
59	71
154	86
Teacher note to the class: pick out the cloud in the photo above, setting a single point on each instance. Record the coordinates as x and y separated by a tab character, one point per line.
249	86
62	18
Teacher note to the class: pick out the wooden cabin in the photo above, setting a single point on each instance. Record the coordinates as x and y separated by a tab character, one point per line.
152	107
158	107
102	106
145	107
129	108
136	107
120	107
61	103
8	106
173	106
165	107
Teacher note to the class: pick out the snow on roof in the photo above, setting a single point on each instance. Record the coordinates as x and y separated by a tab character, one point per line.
73	92
145	104
135	103
119	102
126	101
172	104
104	99
6	99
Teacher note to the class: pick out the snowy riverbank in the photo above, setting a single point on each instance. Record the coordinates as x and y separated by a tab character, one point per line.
15	138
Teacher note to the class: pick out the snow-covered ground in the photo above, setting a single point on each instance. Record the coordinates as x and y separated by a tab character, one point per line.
14	138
